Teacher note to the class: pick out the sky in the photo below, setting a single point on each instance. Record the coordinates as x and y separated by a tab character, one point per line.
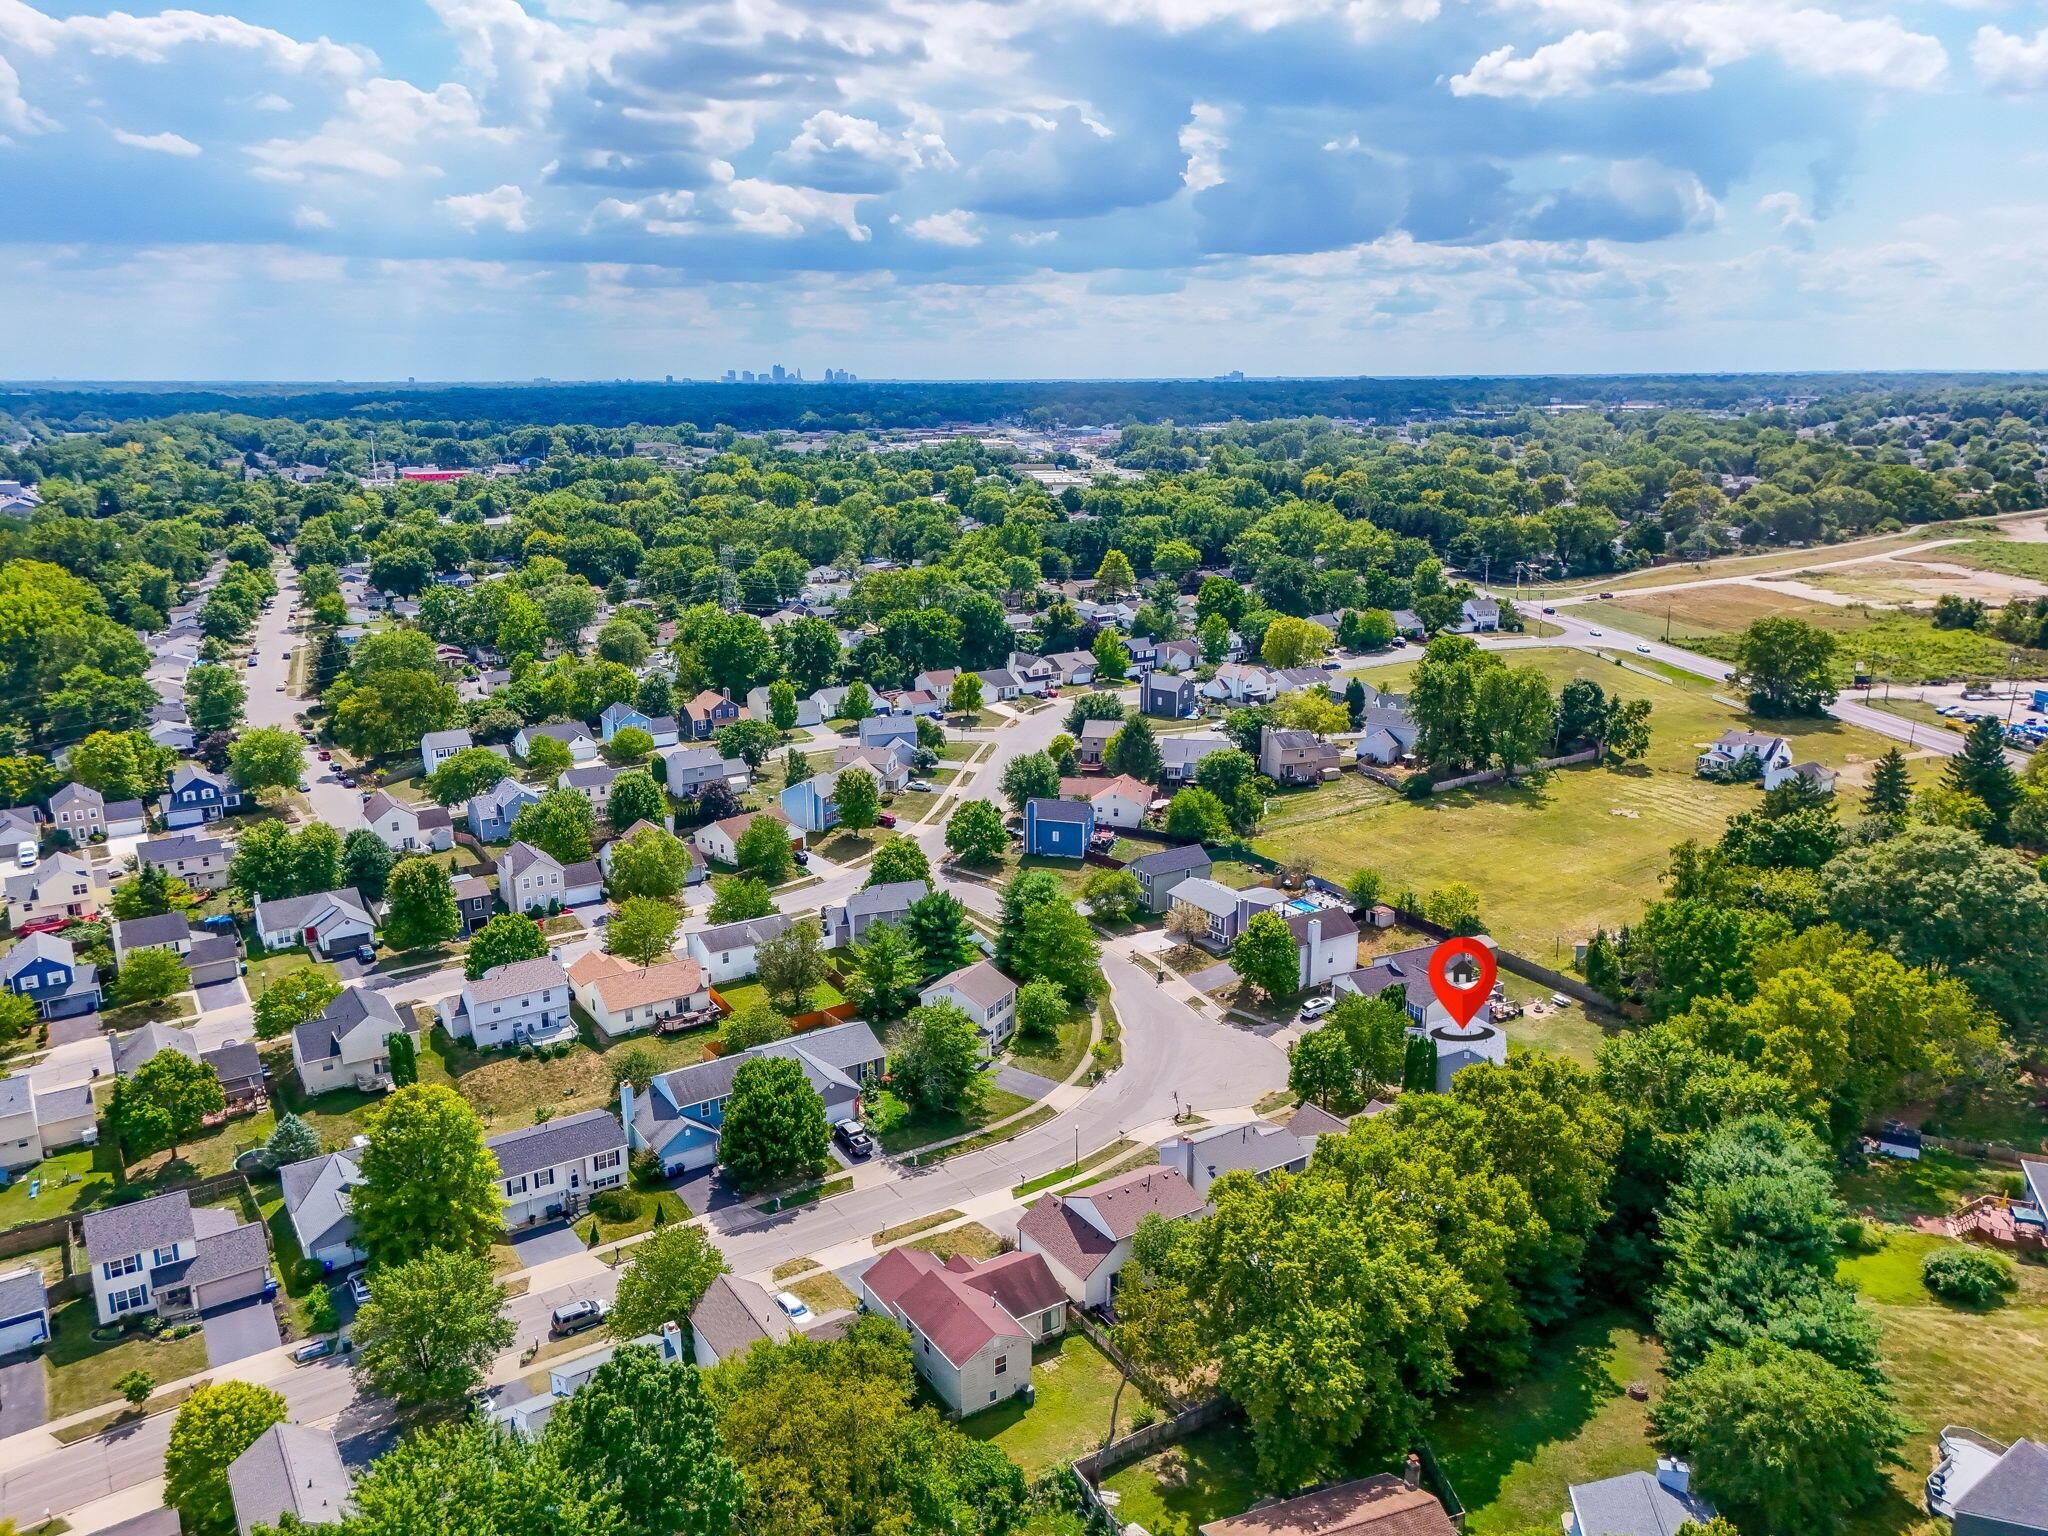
495	189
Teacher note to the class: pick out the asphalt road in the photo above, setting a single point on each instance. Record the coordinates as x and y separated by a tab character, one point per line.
271	704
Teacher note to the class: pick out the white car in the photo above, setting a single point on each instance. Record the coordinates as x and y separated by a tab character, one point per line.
919	786
1642	650
1316	1007
792	1307
1594	633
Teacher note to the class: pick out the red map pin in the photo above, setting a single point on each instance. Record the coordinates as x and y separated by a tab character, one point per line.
1461	1003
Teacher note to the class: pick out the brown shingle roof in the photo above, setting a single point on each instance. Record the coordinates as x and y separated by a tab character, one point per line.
622	984
1382	1506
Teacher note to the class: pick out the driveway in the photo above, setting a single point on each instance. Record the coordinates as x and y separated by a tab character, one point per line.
705	1191
555	1240
221	994
22	1405
1029	1084
1214	978
241	1329
70	1031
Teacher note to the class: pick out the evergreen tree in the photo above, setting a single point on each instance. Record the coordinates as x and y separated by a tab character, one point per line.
1891	789
1980	769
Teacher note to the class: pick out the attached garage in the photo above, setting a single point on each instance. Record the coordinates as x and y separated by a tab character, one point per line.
24	1313
231	1265
238	1287
689	1157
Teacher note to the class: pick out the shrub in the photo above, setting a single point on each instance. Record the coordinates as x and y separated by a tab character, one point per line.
615	1205
1969	1276
320	1314
1859	1236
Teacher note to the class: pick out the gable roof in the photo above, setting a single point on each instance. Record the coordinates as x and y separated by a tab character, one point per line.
2015	1491
136	1046
1382	1506
1170	860
747	931
516	979
321	1035
959	1319
124	1229
622	984
890	896
734	1315
521	857
1082	1228
1069	812
291	1468
159	928
183	845
299	912
566	732
980	983
313	1195
569	1139
1633	1504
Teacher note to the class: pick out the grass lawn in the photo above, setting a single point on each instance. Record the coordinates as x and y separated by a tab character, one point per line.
824	1293
1582	849
1950	1365
82	1371
73	1180
911	1228
297	1275
265	969
1511	1450
506	1091
213	1152
1575	1030
1894	1189
161	1011
748	994
974	1240
2010	556
1073	1385
1208	1476
1056	1057
920	1129
1742	565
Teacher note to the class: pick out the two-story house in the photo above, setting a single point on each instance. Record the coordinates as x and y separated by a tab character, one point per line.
436	747
1086	1236
347	1045
1182	755
1058	829
476	901
291	1469
1386	734
209	957
727	950
593	781
573	734
985	995
47	971
243	1078
1297	757
196	797
848	921
1094	742
549	1171
886	730
1076	669
201	862
1326	943
760	707
663	729
810	806
1167	696
89	816
1725	757
679	1117
1159	874
329	923
1237	682
1224	910
889	766
167	1256
1202	1157
490	814
33	1125
703	716
509	1004
530	880
407	828
971	1325
627	999
60	888
1121	802
690	771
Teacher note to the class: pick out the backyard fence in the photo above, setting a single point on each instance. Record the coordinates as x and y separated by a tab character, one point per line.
1140	1443
1141	1378
1496	775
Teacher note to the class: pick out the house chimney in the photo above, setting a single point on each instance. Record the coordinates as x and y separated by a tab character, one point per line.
671	1341
626	1107
1674	1475
1411	1471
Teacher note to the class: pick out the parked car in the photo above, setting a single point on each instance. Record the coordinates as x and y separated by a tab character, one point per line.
920	786
853	1139
1316	1007
793	1307
367	953
1643	650
575	1316
313	1349
801	855
252	661
886	819
1550	610
1594	633
358	1290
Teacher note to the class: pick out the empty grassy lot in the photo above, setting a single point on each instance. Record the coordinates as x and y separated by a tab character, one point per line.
1745	565
1554	860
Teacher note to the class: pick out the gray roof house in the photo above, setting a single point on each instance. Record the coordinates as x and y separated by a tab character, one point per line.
1638	1503
1988	1488
1158	873
290	1470
315	1198
846	922
490	813
238	1066
1256	1148
550	1170
732	1317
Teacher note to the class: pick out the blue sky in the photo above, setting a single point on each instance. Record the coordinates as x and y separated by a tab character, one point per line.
453	189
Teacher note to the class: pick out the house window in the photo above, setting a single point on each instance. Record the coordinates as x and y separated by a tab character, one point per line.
516	1186
163	1256
1002	1365
605	1160
128	1300
115	1268
544	1178
30	983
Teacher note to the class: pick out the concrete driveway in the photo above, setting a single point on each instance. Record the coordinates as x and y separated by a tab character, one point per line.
537	1245
1027	1084
240	1329
78	1027
705	1191
22	1403
221	994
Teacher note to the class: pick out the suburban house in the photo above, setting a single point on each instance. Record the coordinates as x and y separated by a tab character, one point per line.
1296	679
1986	1487
1058	829
972	1325
998	685
1086	1236
195	797
1721	760
809	806
1167	695
201	862
347	1044
1818	775
847	922
1034	674
239	1066
46	970
883	730
173	731
890	770
692	770
329	923
703	715
1159	873
1458	1046
87	814
731	1317
316	1198
530	881
24	1310
727	951
1119	802
720	840
917	704
407	828
573	734
1177	656
291	1469
21	828
1095	735
1638	1504
593	781
510	1004
1385	735
937	682
623	998
1226	910
526	1416
167	1256
662	729
1381	1505
475	901
985	995
491	813
1297	757
62	886
1182	755
1326	940
33	1125
1238	682
551	1170
1202	1157
679	1116
436	747
759	707
1408	622
1144	653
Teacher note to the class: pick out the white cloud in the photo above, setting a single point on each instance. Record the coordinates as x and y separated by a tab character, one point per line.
312	218
505	206
842	152
335	153
1789	212
1203	141
770	208
15	113
953	227
270	101
2008	63
160	143
153	39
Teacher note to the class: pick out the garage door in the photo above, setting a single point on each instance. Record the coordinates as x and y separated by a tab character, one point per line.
240	1287
19	1333
692	1158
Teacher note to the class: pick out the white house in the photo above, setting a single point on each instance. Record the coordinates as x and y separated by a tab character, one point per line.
985	995
625	999
572	734
1203	1157
33	1125
165	1255
1237	683
316	1198
1119	802
550	1171
63	885
327	922
1086	1236
1326	940
509	1004
1771	753
720	839
436	747
347	1045
593	781
727	951
530	880
407	828
1477	614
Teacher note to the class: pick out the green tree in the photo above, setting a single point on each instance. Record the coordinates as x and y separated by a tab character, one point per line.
644	1431
366	861
643	930
405	1059
466	774
1291	642
122	765
1786	666
149	976
763	849
1265	955
163	1103
214	697
791	967
883	973
1891	788
507	937
135	1388
1196	816
859	703
292	1141
559	823
651	862
624	642
1112	656
935	1066
663	1280
316	858
1055	944
547	757
937	924
737	897
1134	750
774	1125
857	797
1114	576
782	705
964	697
1113	895
1375	1030
473	1479
796	767
431	1329
1980	769
266	759
1027	889
975	831
428	1179
1030	776
751	1026
421	907
1320	1070
899	859
299	994
213	1427
750	740
636	798
1041	1009
1455	907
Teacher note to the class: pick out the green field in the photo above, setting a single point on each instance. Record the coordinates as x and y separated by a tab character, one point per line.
2013	559
1552	861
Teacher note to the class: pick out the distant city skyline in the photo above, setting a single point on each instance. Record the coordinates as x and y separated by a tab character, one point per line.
490	189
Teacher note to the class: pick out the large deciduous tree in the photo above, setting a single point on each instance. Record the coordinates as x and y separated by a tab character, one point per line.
774	1125
213	1427
427	1336
1786	666
643	1430
422	908
505	938
428	1179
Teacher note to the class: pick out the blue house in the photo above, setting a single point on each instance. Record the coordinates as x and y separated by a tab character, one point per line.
196	797
881	730
1058	829
617	717
43	969
491	813
810	806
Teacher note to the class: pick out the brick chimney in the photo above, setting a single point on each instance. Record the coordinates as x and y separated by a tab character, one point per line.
1411	1471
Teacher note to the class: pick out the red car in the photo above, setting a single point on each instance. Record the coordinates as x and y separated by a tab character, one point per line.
326	757
886	819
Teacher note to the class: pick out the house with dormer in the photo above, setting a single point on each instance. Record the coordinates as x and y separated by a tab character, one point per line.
196	797
46	970
703	716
